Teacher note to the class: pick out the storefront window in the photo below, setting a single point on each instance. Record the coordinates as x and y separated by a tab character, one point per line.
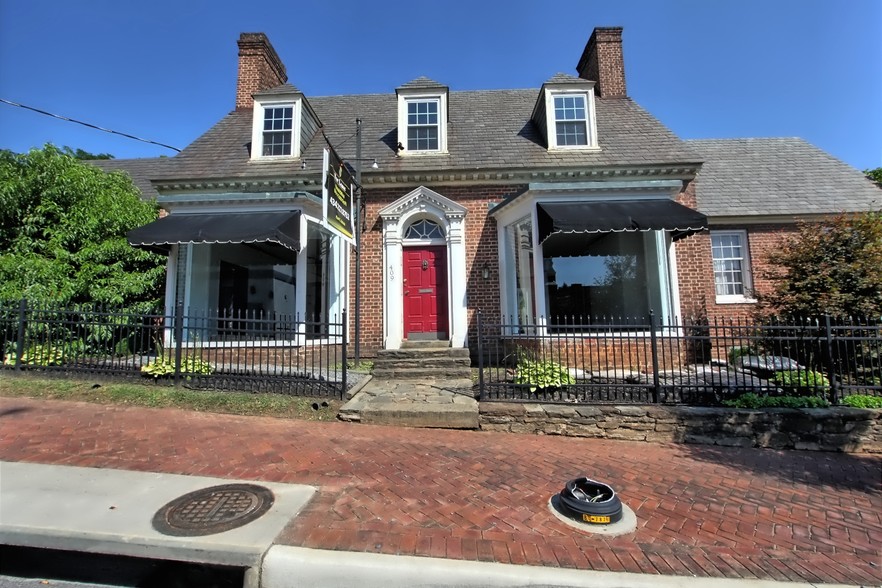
606	277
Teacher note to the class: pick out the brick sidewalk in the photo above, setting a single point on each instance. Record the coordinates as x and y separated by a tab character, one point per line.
702	511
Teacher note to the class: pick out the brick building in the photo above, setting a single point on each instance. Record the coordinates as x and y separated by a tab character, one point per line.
568	199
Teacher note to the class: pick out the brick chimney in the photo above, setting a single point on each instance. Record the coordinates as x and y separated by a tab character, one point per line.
602	62
259	68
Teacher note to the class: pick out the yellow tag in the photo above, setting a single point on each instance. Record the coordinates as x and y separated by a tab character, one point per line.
594	519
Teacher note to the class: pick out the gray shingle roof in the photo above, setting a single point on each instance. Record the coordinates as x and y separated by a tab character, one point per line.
140	170
777	176
283	89
487	130
565	78
420	82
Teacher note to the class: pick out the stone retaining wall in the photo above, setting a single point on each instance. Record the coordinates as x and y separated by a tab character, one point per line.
851	430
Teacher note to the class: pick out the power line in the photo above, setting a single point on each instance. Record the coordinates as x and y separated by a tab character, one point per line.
91	126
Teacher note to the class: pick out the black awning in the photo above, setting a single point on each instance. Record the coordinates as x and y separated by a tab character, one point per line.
617	216
282	228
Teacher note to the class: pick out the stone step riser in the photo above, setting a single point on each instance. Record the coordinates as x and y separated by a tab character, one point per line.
384	354
424	363
421	374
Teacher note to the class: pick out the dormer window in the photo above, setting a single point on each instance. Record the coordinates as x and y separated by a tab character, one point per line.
422	117
565	114
422	125
283	123
278	130
571	120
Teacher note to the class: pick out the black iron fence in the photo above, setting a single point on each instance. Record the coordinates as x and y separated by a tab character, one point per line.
702	361
240	350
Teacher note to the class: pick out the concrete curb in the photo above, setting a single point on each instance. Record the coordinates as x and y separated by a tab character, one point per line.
286	567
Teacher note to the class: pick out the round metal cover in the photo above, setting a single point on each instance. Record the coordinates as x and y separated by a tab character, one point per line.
213	510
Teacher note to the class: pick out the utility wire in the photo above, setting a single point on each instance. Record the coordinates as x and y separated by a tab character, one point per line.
91	126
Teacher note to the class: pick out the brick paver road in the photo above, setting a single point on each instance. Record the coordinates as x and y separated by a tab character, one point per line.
702	511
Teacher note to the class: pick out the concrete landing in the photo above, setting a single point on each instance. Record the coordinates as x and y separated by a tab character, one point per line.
437	404
110	512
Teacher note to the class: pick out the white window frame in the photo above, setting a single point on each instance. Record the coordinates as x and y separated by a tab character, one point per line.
257	127
746	274
551	118
404	99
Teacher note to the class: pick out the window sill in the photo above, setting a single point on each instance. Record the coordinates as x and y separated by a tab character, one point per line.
575	148
421	153
276	158
735	300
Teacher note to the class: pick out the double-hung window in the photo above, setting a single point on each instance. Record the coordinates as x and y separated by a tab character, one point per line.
423	123
278	130
731	266
571	120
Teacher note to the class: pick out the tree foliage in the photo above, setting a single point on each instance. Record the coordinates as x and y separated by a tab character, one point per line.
85	155
62	232
874	174
835	269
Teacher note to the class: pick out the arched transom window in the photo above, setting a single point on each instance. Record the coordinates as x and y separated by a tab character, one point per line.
424	229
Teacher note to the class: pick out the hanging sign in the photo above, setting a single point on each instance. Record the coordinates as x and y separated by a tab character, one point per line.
338	195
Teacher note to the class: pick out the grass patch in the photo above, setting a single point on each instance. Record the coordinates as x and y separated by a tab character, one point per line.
155	396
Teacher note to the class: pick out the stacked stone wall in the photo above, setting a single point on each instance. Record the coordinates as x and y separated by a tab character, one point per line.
850	430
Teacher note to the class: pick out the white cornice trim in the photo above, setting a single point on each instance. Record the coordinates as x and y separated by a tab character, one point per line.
378	179
769	219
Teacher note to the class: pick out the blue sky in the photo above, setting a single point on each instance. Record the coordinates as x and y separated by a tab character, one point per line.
707	69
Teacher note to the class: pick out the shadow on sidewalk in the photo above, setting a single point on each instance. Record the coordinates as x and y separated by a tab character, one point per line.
840	471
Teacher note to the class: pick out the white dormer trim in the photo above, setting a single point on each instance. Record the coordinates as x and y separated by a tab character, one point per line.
439	98
295	101
578	91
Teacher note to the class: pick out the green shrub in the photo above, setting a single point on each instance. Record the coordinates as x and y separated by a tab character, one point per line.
43	354
804	381
165	366
862	401
541	375
751	400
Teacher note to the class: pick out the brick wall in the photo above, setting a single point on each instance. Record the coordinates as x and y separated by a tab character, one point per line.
761	239
695	271
480	246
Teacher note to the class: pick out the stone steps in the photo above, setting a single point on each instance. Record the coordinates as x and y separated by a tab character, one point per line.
447	404
423	360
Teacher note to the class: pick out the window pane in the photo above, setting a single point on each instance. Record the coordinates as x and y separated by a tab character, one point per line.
422	123
424	229
277	143
519	262
729	263
608	279
572	133
569	108
422	138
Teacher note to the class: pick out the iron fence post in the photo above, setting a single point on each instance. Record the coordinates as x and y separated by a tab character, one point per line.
654	346
831	374
179	335
19	344
480	360
344	326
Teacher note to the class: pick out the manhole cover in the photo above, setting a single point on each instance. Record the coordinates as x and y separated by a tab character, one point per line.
213	510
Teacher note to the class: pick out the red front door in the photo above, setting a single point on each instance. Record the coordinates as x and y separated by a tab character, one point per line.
425	292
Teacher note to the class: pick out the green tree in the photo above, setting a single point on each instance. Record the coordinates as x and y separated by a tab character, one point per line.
874	174
834	268
62	232
85	155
